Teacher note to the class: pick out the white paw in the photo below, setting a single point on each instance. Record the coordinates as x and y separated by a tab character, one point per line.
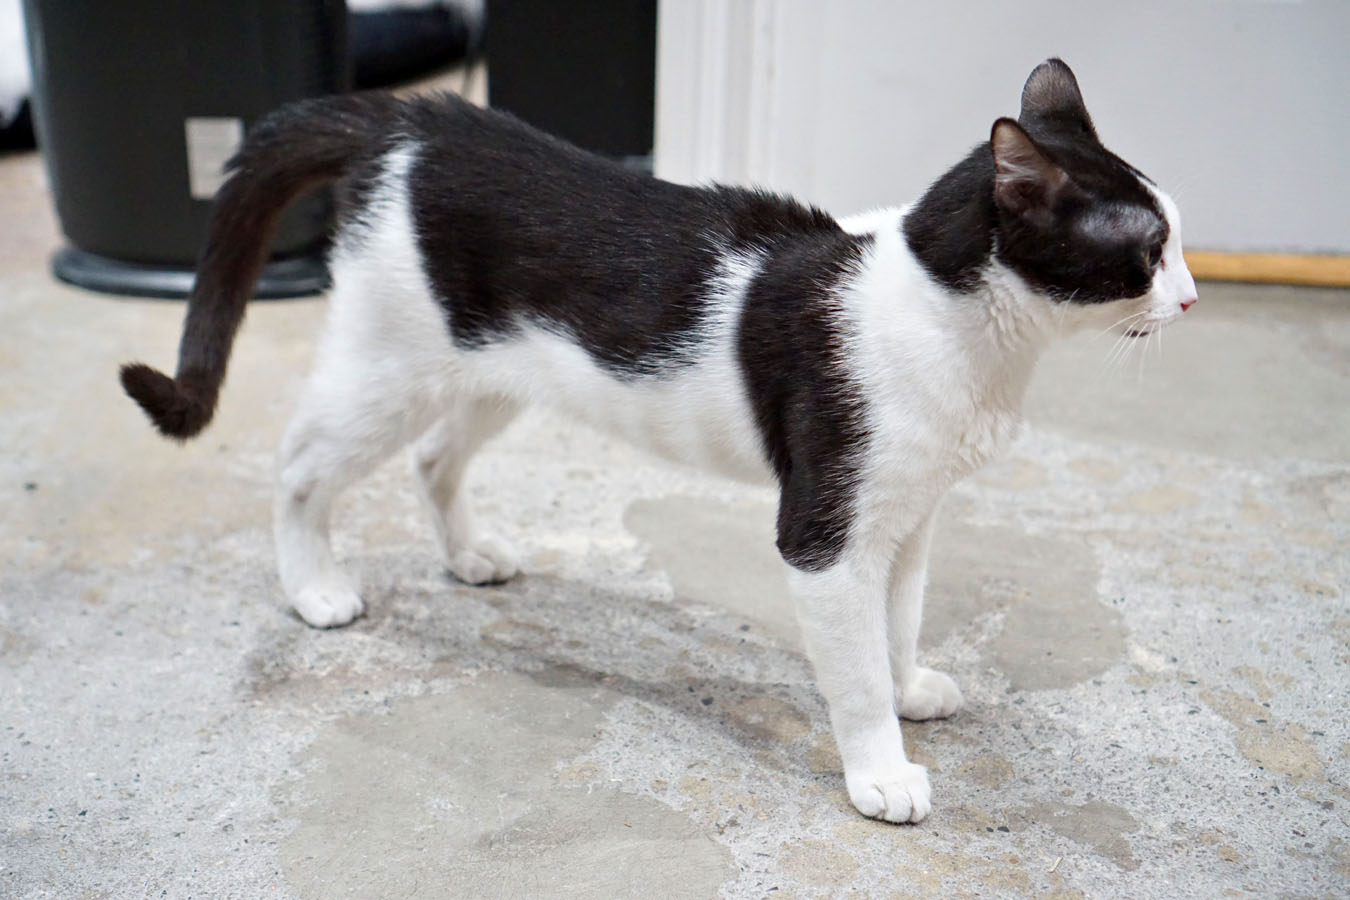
328	605
928	694
895	793
487	559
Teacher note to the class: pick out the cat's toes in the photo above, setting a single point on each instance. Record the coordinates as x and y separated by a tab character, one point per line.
928	694
487	559
327	605
894	793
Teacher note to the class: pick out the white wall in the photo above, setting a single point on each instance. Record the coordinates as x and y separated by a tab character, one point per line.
1239	108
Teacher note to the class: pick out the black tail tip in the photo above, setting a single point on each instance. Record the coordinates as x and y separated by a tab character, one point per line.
175	412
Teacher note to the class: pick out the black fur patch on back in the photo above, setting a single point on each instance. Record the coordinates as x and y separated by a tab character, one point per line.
516	226
809	411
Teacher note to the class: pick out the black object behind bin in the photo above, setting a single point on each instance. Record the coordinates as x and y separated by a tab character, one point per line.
583	71
129	95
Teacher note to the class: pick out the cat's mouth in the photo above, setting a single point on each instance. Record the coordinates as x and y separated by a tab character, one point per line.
1137	333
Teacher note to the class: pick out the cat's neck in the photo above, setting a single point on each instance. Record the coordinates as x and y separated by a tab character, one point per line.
950	229
1007	328
1006	316
971	352
996	334
996	327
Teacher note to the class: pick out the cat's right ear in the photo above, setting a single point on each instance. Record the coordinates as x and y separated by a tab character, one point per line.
1051	94
1026	182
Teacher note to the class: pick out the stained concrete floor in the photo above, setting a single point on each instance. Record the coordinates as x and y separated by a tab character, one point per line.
1144	604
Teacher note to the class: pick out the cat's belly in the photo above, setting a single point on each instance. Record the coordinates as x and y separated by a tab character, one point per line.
695	413
708	435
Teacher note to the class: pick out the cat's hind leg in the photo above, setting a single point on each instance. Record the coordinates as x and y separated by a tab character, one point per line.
355	412
440	457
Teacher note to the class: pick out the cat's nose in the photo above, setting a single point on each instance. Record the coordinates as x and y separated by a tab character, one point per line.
1187	304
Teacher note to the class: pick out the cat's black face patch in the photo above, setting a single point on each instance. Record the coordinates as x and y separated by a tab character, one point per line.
1045	199
1099	241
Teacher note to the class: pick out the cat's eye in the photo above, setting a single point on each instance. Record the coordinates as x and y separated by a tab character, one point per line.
1154	255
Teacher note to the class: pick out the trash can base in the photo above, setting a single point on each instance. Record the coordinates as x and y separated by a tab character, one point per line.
297	276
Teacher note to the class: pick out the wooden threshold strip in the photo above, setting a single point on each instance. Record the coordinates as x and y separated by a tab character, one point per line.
1277	268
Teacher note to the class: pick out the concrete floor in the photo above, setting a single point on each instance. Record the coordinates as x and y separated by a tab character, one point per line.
1144	604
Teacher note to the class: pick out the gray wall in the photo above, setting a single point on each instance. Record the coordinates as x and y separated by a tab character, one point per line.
1239	108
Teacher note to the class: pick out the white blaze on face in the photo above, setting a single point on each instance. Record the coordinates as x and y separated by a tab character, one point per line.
1173	289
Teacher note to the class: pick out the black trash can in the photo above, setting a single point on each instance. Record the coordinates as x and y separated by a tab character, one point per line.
137	103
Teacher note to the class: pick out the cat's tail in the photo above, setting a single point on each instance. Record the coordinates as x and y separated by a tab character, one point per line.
288	153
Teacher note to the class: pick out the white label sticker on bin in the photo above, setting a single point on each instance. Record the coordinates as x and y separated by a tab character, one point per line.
210	143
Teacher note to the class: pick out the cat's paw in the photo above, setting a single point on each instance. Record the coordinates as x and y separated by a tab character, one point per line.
895	793
328	605
487	559
927	694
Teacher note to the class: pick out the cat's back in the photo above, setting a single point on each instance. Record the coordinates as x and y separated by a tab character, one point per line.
470	159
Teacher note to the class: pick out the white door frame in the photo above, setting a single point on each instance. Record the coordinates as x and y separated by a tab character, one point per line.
719	92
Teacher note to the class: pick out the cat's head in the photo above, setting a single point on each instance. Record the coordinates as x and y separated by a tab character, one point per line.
1077	223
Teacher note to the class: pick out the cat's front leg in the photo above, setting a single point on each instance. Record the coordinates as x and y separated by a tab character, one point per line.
842	610
920	693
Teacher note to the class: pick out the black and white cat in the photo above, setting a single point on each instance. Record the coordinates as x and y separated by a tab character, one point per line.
863	366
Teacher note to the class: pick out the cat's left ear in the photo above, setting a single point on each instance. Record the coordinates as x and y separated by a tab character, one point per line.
1026	182
1051	95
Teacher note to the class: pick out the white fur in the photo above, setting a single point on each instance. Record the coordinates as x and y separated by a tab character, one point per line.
1173	284
942	382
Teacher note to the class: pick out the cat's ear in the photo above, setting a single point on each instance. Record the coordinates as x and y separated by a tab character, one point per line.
1051	94
1026	182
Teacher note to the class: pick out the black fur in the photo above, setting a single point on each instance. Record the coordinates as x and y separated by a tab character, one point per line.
1051	96
959	225
516	226
808	411
175	408
951	230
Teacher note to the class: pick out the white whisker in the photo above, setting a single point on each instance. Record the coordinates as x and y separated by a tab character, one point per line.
1116	324
1119	352
1143	357
1120	347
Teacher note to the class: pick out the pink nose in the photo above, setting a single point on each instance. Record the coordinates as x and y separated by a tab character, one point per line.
1187	304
